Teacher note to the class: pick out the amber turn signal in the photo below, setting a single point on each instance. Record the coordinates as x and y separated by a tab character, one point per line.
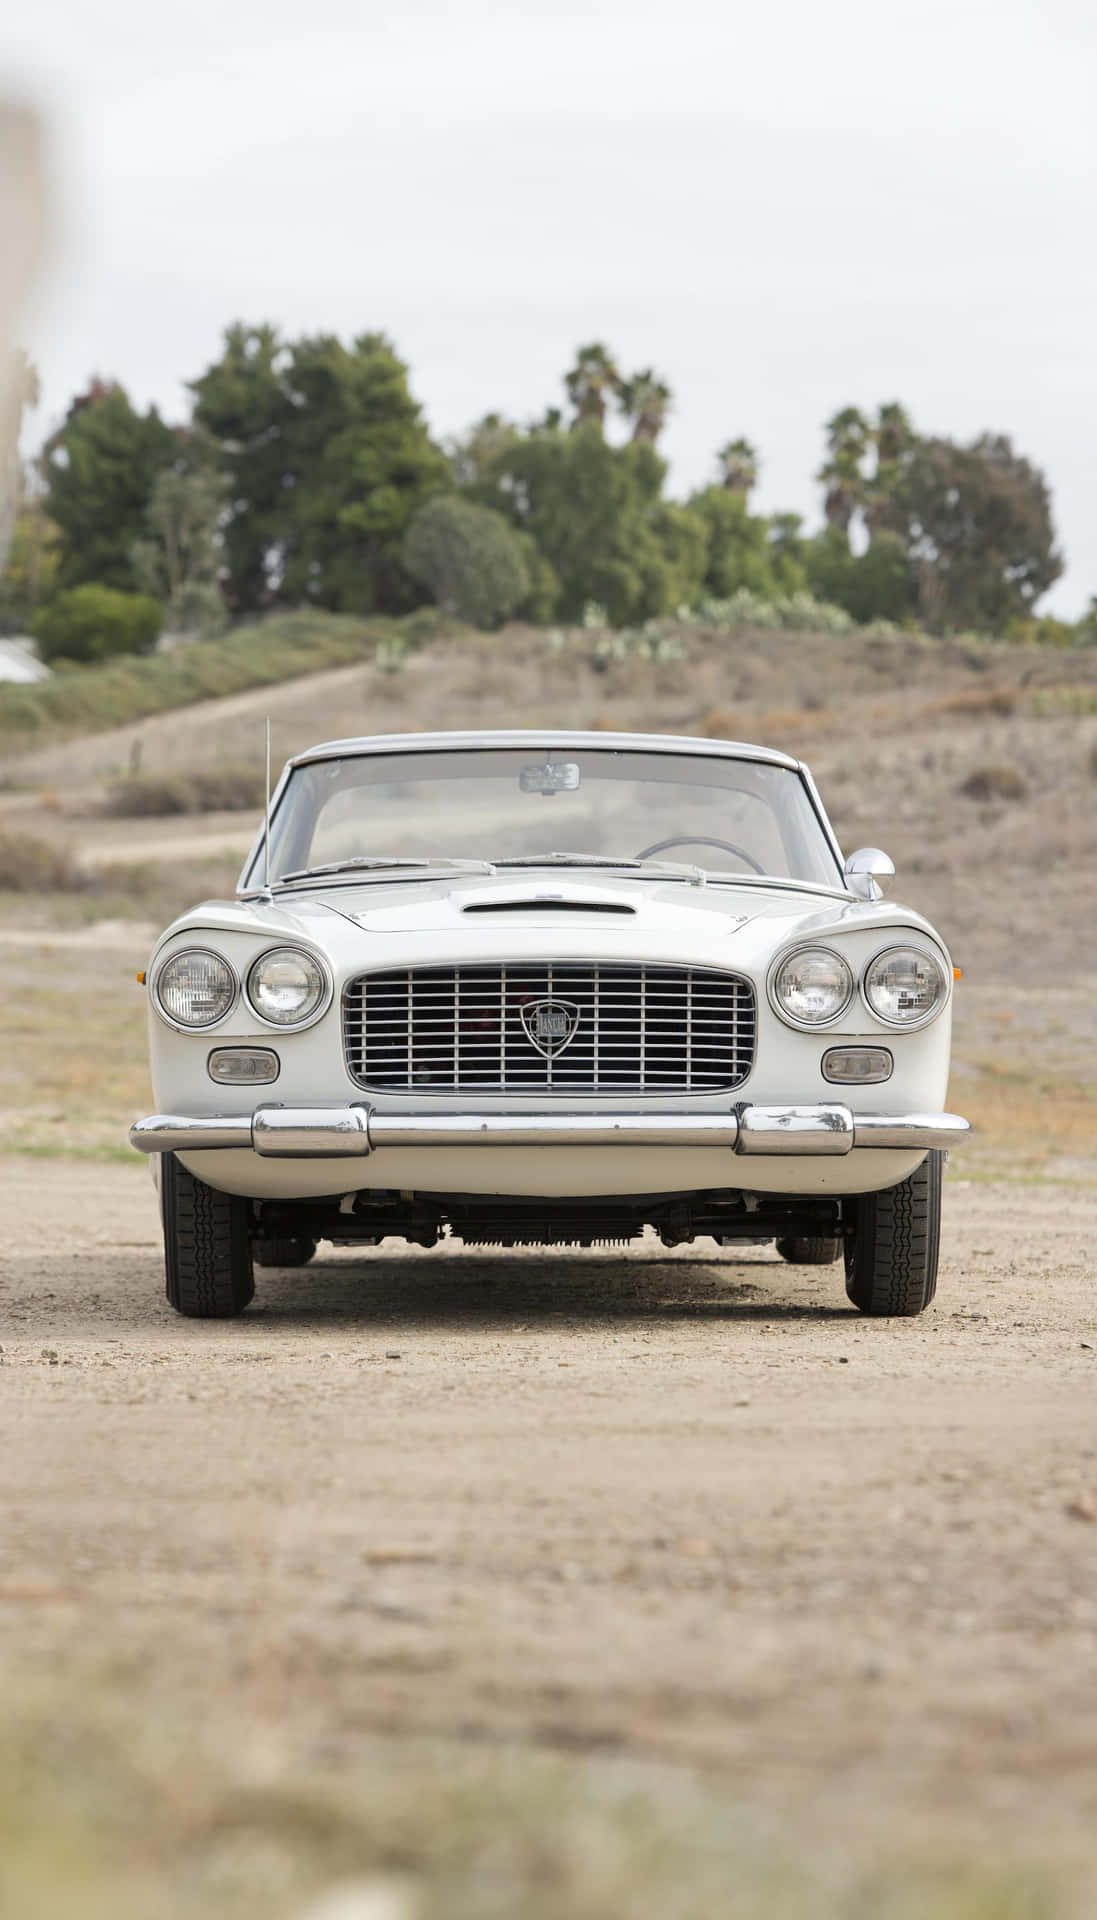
140	979
957	973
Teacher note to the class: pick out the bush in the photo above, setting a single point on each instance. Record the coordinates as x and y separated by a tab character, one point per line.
995	783
468	559
220	790
789	613
93	623
28	865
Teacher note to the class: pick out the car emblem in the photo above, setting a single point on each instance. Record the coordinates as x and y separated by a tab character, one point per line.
550	1024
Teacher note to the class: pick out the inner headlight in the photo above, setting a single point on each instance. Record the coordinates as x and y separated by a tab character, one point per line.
286	986
812	986
196	988
905	986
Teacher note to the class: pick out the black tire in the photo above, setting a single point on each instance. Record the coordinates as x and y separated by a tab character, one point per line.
207	1251
809	1250
283	1252
892	1248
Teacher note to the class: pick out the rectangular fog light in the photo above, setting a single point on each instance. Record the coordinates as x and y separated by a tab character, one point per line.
243	1066
857	1066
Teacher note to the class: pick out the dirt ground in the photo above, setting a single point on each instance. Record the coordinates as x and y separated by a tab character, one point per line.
682	1510
645	1588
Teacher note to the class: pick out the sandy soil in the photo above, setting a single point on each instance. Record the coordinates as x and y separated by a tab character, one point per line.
685	1507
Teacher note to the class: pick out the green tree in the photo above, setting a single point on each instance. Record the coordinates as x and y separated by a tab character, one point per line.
99	470
979	533
468	559
327	459
30	573
93	622
179	559
878	584
739	551
596	514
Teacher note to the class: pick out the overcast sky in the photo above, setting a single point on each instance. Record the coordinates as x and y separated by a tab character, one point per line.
783	210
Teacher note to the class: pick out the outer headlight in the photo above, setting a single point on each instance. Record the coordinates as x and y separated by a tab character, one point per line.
286	986
196	988
812	986
905	986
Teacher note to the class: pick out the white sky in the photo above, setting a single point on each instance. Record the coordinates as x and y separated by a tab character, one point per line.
782	210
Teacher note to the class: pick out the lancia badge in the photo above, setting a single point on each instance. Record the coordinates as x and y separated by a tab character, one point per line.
550	1024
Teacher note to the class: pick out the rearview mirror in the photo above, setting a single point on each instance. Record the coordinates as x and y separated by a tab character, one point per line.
864	871
549	777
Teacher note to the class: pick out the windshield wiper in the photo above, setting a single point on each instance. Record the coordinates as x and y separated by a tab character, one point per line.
659	869
380	863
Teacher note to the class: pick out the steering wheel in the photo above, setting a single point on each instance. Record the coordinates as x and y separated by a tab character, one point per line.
700	840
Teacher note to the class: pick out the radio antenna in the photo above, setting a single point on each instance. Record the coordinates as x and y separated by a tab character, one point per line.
266	828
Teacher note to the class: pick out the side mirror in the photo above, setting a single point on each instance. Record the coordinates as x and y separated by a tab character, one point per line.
865	869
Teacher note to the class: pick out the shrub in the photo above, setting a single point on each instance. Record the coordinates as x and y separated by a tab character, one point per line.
28	865
995	783
93	623
790	613
468	559
218	790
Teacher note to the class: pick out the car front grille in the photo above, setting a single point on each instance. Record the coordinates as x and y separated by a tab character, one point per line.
550	1027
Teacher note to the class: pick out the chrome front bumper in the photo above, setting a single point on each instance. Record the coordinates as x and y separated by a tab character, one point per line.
321	1133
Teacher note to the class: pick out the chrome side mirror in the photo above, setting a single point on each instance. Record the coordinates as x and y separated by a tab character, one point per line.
865	869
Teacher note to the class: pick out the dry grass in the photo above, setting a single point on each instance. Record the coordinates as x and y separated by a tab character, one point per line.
972	702
31	865
206	790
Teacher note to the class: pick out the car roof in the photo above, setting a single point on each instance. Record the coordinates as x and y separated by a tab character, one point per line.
544	737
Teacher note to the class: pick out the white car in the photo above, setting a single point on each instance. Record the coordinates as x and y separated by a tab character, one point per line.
550	988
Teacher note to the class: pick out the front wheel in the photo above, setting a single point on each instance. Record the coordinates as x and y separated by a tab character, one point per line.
892	1248
207	1248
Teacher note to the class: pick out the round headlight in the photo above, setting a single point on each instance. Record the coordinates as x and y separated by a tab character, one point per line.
286	986
812	986
196	988
905	986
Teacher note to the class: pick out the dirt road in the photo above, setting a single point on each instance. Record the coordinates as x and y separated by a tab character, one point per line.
684	1507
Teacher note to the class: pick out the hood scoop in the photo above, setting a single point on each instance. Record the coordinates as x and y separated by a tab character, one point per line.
546	903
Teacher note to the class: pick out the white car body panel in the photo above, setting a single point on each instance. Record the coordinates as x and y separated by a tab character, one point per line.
354	928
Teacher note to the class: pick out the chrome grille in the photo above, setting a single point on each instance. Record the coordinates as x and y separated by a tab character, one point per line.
634	1029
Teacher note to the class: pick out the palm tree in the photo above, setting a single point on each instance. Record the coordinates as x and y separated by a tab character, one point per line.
739	466
593	381
841	472
645	400
894	439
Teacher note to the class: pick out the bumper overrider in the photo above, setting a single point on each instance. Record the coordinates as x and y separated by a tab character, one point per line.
322	1133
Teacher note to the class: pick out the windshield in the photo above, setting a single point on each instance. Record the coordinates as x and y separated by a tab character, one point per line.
730	817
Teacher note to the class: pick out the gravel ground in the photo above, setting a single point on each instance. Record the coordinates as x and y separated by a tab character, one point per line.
685	1508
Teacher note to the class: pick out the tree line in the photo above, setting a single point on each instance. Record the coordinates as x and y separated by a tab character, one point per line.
307	475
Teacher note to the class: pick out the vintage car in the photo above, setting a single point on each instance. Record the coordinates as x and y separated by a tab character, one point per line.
550	988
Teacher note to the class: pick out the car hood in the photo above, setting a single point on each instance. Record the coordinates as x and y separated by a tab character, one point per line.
546	911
